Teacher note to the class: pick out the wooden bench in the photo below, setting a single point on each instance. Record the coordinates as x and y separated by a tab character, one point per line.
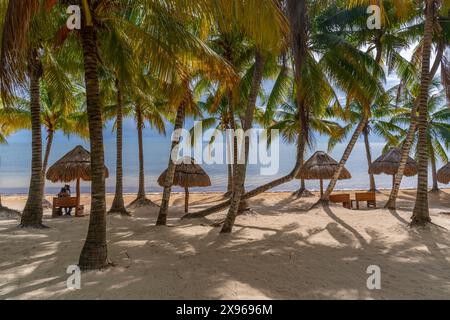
66	202
369	197
342	198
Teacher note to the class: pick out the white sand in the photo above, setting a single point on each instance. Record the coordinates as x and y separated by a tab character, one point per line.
280	251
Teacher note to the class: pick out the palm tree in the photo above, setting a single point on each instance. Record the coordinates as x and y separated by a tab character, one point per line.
218	118
323	108
250	19
239	177
60	110
94	254
421	215
330	59
21	60
145	108
379	124
157	34
440	40
438	127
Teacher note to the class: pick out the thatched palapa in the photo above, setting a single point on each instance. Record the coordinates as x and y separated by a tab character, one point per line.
73	166
389	163
321	167
188	174
443	175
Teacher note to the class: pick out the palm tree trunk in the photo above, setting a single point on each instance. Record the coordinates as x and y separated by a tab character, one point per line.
302	191
140	125
78	193
421	215
239	177
231	146
230	181
434	173
162	218
95	251
48	149
33	212
141	199
373	187
118	205
406	148
326	196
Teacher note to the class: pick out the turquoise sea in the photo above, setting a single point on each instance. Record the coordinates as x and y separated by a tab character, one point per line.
15	162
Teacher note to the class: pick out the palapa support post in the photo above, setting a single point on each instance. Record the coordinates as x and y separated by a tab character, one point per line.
321	188
186	200
79	210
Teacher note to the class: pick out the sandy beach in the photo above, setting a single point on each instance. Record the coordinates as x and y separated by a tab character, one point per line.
278	251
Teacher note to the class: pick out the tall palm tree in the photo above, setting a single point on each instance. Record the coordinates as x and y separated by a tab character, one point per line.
145	108
21	61
60	110
421	215
157	33
440	39
94	254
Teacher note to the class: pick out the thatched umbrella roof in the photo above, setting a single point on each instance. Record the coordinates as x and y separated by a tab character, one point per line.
188	174
443	174
73	166
321	167
389	163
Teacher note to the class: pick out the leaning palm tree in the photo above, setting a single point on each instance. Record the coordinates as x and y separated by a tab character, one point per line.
379	124
249	18
438	128
321	122
334	61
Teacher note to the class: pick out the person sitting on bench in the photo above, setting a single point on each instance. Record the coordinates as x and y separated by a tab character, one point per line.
65	193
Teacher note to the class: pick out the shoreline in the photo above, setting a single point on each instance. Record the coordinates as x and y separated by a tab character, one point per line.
86	194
